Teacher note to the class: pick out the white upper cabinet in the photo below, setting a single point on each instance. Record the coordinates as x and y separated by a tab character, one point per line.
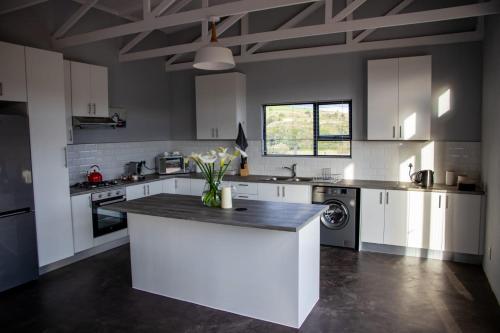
220	106
67	100
89	90
48	154
12	73
399	98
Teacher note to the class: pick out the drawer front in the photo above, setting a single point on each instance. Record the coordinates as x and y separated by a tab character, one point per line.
245	188
246	196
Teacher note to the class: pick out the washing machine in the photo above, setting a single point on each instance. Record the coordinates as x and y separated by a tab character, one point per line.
340	223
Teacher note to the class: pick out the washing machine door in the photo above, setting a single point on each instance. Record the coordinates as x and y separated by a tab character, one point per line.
337	215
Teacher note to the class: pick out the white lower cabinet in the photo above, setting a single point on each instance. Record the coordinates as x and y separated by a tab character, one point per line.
372	216
284	193
144	190
169	186
183	186
396	217
81	212
197	186
426	220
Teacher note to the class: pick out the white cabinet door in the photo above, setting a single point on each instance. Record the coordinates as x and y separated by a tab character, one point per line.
197	186
396	217
296	193
415	83
462	225
421	224
12	73
372	215
437	220
45	89
169	186
81	212
382	99
220	105
80	90
99	90
183	186
136	192
154	188
269	192
67	101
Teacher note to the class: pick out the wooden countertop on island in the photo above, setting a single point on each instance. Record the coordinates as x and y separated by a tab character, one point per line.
280	216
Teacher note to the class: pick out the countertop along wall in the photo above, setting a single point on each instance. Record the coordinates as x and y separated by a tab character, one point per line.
140	87
340	77
491	158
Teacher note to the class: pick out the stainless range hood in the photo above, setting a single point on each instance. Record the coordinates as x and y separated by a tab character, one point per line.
92	122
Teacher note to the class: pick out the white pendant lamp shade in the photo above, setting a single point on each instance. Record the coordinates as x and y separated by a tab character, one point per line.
214	57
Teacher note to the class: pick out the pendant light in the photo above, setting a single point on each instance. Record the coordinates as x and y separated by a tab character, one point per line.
214	57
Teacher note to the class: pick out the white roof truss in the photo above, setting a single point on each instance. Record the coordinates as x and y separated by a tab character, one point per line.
435	15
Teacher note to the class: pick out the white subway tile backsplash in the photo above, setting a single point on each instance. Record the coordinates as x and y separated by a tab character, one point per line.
370	160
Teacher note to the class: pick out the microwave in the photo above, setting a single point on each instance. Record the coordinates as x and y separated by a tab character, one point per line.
169	164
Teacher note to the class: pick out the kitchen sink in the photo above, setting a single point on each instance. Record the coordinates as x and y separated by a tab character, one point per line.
287	179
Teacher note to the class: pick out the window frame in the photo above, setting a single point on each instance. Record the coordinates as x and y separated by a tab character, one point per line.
316	127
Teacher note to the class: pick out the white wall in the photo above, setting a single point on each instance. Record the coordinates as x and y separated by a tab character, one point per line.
490	150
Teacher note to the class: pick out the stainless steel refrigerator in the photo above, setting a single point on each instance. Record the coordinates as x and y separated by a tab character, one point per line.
18	249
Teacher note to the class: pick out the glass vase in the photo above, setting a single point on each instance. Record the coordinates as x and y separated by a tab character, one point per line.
211	196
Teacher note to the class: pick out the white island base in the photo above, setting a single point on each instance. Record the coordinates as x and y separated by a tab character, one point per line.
264	274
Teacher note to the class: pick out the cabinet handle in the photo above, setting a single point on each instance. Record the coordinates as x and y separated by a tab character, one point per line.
439	206
278	191
65	157
242	184
71	135
95	112
393	132
380	198
90	108
386	198
175	184
90	201
1	89
144	189
283	191
446	202
400	131
217	132
243	196
213	132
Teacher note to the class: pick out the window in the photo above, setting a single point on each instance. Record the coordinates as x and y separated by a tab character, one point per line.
308	129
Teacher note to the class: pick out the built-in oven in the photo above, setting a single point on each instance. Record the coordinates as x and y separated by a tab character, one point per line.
105	221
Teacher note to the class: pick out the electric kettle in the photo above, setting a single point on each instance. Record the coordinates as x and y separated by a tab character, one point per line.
424	178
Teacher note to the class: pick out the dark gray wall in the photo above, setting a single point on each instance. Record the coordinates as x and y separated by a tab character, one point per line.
336	77
140	87
490	154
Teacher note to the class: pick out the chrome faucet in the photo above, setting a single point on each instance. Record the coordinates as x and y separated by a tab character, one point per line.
293	169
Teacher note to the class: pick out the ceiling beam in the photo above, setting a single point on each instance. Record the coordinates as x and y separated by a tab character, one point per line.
110	11
397	9
23	6
191	16
159	10
347	48
146	9
292	22
328	11
348	10
220	29
435	15
73	19
245	27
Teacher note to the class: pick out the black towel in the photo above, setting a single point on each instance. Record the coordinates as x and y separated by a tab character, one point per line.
241	140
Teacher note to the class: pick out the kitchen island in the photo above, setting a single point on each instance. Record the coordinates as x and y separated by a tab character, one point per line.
259	259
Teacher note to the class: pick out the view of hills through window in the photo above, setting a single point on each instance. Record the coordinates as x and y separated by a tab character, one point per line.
308	129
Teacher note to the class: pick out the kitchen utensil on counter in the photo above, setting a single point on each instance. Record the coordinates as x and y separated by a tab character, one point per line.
423	178
94	175
135	168
450	178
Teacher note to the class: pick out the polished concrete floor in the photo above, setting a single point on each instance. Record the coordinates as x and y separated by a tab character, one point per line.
360	292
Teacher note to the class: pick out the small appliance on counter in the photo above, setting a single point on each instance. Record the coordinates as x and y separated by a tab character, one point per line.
134	170
423	178
169	163
93	175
